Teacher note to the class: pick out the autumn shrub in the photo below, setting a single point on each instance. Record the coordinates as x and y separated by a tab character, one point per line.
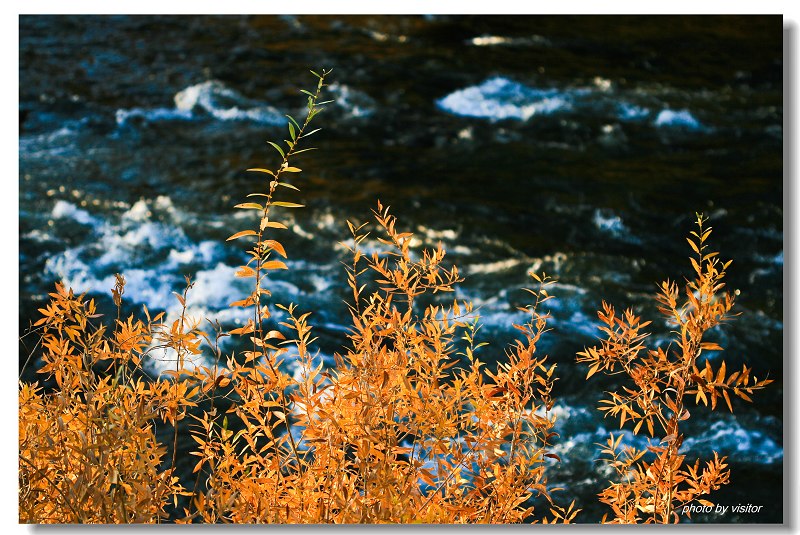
404	428
654	484
407	425
87	449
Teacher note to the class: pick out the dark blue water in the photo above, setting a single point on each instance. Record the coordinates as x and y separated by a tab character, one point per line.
581	146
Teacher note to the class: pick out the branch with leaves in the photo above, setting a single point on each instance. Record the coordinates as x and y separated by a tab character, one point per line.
654	483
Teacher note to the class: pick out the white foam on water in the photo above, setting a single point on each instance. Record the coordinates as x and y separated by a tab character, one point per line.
499	98
226	104
67	210
564	412
123	116
59	142
202	253
677	119
607	221
140	211
148	286
564	287
578	427
300	231
150	254
729	437
217	287
460	250
494	267
146	238
500	317
355	103
434	235
631	112
75	273
207	98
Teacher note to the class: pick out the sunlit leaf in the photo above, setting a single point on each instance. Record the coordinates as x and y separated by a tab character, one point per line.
242	233
274	264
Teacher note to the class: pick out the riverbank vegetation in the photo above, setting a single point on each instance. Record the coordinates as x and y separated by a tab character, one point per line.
407	425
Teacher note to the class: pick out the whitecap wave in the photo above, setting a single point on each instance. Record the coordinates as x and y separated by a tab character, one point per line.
152	115
631	112
581	430
66	210
494	267
677	119
607	221
355	103
226	104
729	437
150	253
612	224
211	98
148	245
499	98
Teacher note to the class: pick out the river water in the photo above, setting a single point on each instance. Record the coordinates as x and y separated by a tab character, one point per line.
581	146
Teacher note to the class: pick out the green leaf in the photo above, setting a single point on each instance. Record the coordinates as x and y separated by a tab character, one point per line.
312	132
288	204
249	206
293	122
292	169
309	93
291	131
315	74
277	148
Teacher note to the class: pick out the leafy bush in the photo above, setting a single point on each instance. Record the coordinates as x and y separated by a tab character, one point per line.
409	425
663	381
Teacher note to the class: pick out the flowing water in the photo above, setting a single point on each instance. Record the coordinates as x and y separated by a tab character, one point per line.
579	146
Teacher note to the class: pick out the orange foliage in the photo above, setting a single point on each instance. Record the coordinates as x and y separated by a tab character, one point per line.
663	383
409	425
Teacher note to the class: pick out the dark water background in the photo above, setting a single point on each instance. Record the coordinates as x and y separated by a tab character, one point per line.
581	146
